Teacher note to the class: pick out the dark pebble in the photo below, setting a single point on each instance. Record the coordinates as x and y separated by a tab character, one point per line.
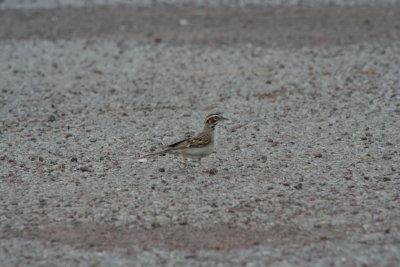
84	168
213	171
155	225
317	155
275	143
298	186
51	118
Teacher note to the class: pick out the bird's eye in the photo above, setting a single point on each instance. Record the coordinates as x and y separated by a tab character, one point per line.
211	120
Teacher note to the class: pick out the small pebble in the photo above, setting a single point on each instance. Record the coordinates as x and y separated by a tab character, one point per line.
275	143
51	118
298	186
317	155
84	168
155	225
213	171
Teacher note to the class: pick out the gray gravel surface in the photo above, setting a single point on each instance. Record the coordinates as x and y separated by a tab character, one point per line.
307	169
81	3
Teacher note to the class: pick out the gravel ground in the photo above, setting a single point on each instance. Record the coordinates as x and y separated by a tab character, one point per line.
308	166
81	3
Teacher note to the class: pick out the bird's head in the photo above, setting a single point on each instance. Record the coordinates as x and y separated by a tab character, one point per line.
213	119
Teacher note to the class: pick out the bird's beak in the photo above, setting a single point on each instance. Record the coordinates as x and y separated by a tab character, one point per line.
224	119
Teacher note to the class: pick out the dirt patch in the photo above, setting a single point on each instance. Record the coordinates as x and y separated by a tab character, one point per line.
100	237
263	25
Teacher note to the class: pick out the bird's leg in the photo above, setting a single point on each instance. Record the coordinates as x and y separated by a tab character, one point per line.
203	166
183	160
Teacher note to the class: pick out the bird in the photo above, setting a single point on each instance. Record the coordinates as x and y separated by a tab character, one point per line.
198	146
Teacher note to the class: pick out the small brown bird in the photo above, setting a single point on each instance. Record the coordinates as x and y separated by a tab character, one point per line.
196	147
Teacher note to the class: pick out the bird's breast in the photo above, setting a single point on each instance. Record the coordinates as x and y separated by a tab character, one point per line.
199	151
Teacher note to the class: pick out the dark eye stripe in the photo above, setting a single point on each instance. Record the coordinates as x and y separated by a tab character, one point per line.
213	116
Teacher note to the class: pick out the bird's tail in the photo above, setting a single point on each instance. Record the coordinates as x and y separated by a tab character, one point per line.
151	154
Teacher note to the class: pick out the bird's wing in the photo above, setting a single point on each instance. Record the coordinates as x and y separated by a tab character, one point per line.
197	141
200	140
